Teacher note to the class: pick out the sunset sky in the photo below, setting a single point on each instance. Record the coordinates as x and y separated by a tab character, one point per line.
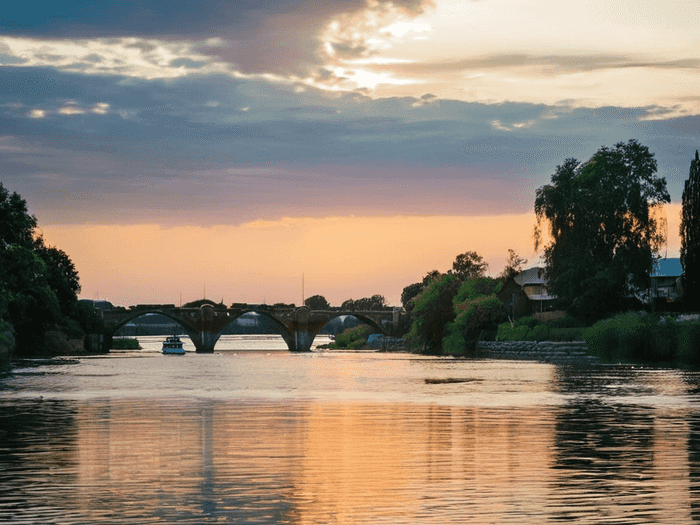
176	147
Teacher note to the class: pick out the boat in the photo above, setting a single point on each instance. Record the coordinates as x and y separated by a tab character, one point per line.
173	345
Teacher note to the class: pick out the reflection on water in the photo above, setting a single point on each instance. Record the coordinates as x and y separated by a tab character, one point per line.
346	438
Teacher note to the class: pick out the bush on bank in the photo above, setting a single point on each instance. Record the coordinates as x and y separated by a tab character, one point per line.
125	343
352	338
639	336
530	329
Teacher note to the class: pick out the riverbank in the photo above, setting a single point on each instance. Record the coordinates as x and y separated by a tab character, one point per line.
573	353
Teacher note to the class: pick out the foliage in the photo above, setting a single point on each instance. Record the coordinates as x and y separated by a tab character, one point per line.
514	265
566	322
537	332
408	293
125	343
38	283
508	332
634	336
604	230
432	310
29	304
528	321
201	302
353	338
689	343
690	235
476	287
468	265
317	302
376	302
482	312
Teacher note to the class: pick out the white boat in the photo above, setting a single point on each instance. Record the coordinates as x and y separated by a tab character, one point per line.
173	345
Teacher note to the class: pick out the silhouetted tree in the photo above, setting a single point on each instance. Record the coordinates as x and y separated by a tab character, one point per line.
605	234
432	311
690	235
38	283
514	264
468	265
376	302
317	302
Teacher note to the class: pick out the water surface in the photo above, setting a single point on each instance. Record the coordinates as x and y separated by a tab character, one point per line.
254	434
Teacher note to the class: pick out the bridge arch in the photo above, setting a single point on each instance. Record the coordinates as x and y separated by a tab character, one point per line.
189	328
284	331
321	320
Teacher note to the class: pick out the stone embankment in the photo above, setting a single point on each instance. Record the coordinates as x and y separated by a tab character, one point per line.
567	353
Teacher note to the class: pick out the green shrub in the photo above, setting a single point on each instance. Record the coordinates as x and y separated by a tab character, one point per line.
473	316
124	343
538	333
454	344
352	338
530	322
506	332
633	336
689	343
566	334
566	322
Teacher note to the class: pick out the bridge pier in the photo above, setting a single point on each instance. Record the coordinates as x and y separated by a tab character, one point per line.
302	337
204	344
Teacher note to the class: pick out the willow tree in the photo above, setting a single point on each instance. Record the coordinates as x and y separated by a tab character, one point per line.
605	229
690	234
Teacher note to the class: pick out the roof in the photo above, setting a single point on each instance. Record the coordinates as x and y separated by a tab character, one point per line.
530	276
670	267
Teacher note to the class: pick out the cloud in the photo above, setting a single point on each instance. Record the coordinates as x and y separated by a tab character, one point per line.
487	52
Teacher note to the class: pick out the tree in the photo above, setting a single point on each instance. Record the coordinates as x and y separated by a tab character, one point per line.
432	311
476	308
605	232
469	264
16	224
514	264
38	283
317	302
690	235
376	302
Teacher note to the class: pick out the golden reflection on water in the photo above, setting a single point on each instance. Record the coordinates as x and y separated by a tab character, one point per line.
322	462
510	443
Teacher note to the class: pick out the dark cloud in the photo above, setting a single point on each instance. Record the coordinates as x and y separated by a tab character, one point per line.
271	36
212	146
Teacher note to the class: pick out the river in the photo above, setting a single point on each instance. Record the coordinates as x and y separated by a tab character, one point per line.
255	434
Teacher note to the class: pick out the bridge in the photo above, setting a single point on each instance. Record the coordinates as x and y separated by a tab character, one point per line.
298	326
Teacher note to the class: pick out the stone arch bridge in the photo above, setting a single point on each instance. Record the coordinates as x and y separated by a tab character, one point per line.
298	326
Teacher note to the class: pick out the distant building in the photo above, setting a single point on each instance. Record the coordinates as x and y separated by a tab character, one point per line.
666	280
526	293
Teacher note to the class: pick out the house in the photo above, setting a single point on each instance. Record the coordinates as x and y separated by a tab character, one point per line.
666	279
535	287
526	293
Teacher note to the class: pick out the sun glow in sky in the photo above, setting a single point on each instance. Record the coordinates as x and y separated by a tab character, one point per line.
361	143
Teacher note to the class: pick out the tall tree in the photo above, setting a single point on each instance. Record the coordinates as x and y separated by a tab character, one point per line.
604	231
38	283
514	264
468	265
433	310
690	235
